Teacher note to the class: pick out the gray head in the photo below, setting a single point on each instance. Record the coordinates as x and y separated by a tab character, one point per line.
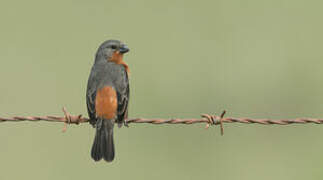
109	48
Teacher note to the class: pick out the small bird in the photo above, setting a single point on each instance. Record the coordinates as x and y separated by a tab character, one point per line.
107	96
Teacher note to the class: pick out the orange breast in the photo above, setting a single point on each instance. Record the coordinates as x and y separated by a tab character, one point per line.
117	57
106	102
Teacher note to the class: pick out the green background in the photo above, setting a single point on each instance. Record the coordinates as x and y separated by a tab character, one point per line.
259	59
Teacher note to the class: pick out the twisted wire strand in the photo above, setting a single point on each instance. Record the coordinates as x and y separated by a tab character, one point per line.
206	118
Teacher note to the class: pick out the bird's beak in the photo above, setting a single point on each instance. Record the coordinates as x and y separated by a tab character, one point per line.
123	49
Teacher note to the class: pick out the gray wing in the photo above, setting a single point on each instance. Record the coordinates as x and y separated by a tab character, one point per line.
90	99
123	99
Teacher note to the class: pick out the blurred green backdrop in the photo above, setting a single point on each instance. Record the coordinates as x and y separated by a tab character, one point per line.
260	59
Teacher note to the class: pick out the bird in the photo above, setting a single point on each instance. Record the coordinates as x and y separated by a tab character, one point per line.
107	96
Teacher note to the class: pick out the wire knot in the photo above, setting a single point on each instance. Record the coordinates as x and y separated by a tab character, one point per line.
214	120
69	119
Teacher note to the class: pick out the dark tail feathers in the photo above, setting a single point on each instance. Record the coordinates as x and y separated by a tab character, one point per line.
103	146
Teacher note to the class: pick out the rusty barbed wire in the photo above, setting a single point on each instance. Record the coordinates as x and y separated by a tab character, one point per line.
205	118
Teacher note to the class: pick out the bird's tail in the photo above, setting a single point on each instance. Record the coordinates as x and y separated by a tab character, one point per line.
103	146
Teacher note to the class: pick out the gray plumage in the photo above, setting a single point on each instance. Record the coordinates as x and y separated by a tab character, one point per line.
107	73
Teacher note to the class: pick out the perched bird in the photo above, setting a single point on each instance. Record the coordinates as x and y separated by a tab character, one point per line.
107	96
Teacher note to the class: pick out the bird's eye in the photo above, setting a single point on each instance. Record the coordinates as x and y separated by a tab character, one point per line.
114	47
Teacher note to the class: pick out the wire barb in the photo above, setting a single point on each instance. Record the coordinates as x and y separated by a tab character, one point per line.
214	120
221	122
71	119
67	118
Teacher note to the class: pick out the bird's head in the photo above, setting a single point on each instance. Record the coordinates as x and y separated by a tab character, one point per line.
112	50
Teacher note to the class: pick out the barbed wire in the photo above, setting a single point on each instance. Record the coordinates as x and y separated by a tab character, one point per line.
205	118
